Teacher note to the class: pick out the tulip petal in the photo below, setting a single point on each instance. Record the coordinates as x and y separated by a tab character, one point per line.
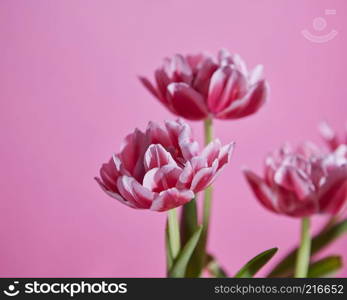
329	135
234	89
194	60
158	135
180	70
289	204
261	190
148	85
132	151
216	88
211	151
114	194
240	64
202	79
225	155
159	179
188	146
187	102
163	81
256	74
204	177
249	104
224	57
186	177
157	156
171	198
295	181
134	192
109	175
333	194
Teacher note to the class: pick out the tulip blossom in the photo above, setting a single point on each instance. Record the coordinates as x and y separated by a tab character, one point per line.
302	182
331	138
197	87
162	168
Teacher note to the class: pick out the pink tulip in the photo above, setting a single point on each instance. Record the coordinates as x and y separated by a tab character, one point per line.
302	182
197	87
331	138
162	168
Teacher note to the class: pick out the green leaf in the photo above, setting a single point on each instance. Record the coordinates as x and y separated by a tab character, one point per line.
256	263
325	267
321	240
179	266
189	224
214	268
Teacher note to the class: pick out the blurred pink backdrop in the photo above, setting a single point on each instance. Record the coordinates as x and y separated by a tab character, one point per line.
69	94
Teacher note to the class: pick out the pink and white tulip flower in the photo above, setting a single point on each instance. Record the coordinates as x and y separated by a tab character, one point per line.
162	168
302	182
197	87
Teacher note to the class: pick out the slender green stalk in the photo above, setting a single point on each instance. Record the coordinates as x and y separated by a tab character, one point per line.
207	196
174	233
303	257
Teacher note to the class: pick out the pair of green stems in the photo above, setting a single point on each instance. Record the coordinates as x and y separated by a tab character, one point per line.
173	221
303	257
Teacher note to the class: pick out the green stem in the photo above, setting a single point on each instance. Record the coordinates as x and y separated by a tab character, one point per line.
174	233
303	257
208	195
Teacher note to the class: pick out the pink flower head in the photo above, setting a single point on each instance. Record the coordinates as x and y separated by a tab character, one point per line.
331	138
196	87
162	168
302	182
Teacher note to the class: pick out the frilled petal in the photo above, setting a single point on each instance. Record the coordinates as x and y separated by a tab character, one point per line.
156	156
163	81
289	204
308	149
171	198
194	60
132	151
187	102
182	138
158	135
225	155
217	85
109	175
179	69
295	181
249	104
211	151
329	135
338	200
256	74
186	177
235	88
204	177
134	192
114	195
333	193
202	79
261	190
148	85
163	178
226	58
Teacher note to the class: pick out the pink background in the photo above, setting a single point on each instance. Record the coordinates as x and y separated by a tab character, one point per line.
69	94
